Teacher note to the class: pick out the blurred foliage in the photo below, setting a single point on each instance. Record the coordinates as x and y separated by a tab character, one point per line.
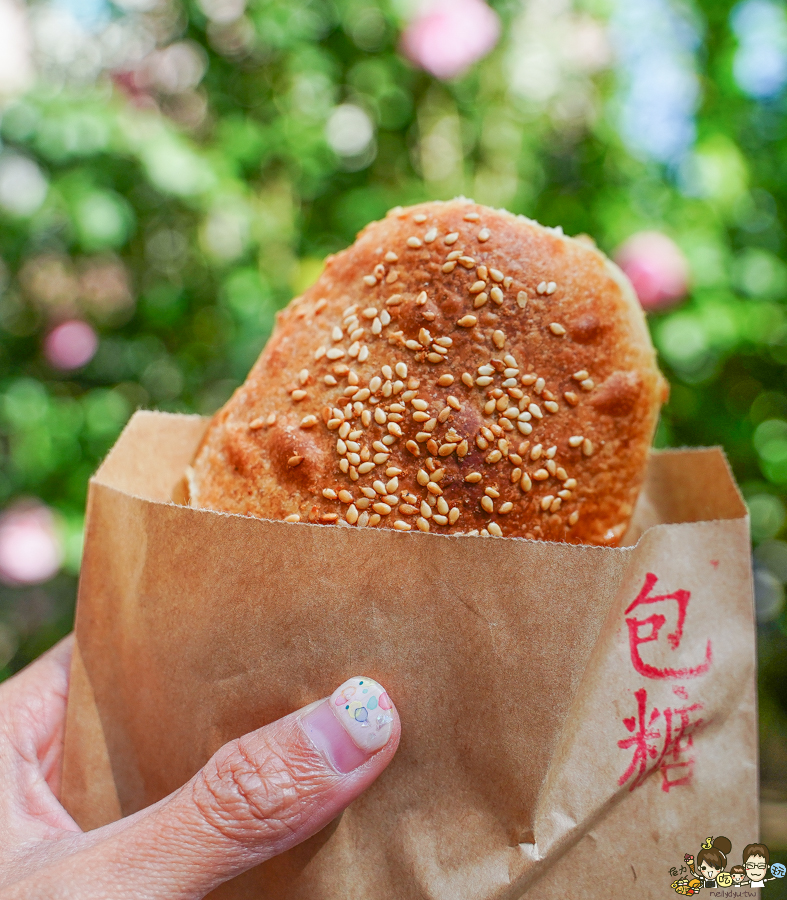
178	222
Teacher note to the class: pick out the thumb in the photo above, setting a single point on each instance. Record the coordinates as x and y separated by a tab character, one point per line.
258	796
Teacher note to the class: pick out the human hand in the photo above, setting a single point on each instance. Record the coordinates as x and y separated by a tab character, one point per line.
257	796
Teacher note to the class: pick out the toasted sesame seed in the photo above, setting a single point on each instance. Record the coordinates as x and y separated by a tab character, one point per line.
335	353
487	504
551	287
546	502
536	451
390	256
394	300
489	407
467	321
581	375
447	449
506	507
440	519
421	299
399	525
467	379
401	370
442	506
308	421
573	518
471	217
483	272
294	517
494	456
344	466
467	261
434	488
587	447
473	477
570	484
414	242
499	339
257	423
535	411
294	461
345	496
369	280
381	508
480	300
525	484
551	406
497	295
412	345
493	528
551	467
484	380
492	492
571	398
557	328
354	459
422	524
484	234
477	287
542	287
587	385
366	467
330	381
575	440
451	238
454	255
541	475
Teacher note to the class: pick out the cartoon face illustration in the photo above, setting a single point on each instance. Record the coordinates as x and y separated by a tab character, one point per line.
756	868
708	871
737	877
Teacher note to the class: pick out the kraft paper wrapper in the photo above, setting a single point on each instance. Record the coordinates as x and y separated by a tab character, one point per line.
509	662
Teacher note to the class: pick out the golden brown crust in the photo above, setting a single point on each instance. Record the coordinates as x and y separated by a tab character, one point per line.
510	388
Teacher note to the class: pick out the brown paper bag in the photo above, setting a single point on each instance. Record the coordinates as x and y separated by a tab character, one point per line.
574	719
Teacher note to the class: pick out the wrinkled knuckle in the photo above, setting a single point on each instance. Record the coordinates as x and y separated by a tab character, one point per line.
247	797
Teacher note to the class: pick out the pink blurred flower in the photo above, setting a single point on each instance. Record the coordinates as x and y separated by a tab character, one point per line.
447	36
30	551
656	267
70	345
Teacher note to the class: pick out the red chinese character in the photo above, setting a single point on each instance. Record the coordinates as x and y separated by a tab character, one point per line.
656	623
669	751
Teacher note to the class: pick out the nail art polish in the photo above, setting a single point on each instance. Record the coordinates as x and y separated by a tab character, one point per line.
364	709
352	724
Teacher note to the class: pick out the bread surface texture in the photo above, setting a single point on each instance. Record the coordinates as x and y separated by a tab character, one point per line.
458	369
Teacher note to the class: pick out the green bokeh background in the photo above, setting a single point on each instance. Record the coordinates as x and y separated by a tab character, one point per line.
198	227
